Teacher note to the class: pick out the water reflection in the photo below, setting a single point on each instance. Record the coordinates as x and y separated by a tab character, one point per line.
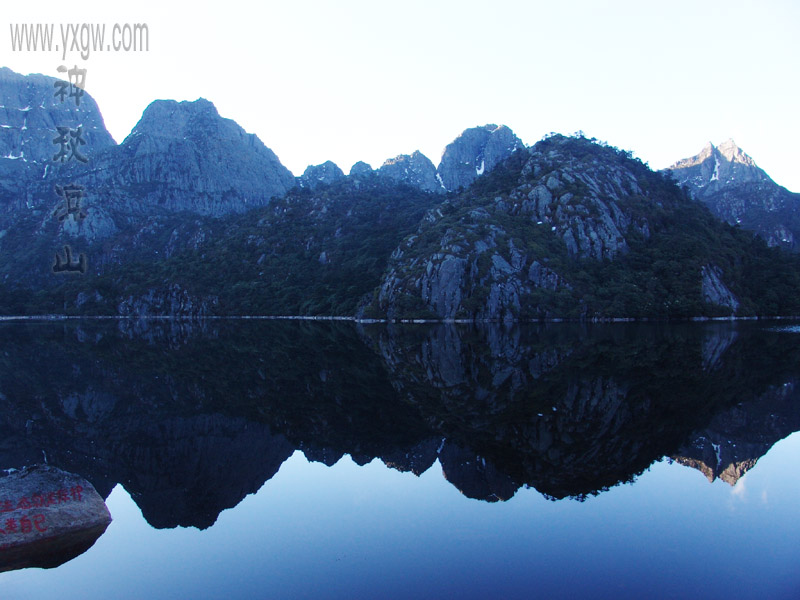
192	417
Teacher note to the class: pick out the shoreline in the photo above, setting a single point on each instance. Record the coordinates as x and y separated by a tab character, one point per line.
59	317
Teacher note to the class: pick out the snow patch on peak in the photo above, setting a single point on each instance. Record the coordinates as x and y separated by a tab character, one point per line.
717	452
479	170
715	175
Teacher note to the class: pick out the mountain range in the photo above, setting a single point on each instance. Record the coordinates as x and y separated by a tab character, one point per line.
191	215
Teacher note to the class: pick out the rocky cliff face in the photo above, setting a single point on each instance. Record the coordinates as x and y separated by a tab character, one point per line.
490	252
29	117
415	170
735	189
475	152
182	156
173	300
714	167
715	291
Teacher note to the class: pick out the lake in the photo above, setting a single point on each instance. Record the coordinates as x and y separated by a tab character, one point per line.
295	459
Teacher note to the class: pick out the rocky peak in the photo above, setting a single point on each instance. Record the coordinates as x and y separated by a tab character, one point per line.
170	118
324	174
568	191
168	123
30	113
361	169
707	151
415	170
716	167
184	156
474	152
737	191
734	154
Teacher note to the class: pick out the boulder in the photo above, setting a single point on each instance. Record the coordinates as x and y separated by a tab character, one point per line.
47	517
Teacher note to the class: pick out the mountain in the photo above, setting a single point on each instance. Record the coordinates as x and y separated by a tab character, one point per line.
474	152
415	170
312	252
182	156
736	190
714	168
572	228
566	229
192	215
179	156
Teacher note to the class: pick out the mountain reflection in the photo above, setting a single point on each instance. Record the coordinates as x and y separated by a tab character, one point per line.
192	417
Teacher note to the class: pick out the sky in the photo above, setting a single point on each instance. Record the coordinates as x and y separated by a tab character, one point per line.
351	80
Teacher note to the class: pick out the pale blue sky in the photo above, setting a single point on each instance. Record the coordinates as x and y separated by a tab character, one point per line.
357	80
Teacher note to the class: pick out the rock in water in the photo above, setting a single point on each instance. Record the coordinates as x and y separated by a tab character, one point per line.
47	517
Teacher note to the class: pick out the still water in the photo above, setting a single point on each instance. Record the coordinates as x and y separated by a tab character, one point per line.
262	459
